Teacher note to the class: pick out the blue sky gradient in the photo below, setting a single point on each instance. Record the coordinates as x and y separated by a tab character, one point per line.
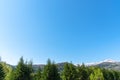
62	30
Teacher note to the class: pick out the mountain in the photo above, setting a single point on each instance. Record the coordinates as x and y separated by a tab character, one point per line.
110	65
107	64
106	60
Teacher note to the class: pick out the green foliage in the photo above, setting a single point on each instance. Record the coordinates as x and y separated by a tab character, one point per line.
50	72
69	72
105	74
11	75
111	75
96	75
116	75
23	71
7	70
82	72
2	73
38	74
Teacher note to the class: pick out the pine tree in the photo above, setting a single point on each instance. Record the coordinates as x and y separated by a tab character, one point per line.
96	75
38	74
50	72
116	75
111	75
2	73
11	75
69	72
82	72
105	74
23	71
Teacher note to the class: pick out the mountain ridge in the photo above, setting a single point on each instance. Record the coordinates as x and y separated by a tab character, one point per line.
107	64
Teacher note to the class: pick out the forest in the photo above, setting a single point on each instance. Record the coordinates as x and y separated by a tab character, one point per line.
24	71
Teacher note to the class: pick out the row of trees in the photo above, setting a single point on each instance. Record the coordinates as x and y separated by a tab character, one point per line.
25	71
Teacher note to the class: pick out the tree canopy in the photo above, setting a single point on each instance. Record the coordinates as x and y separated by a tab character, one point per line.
24	71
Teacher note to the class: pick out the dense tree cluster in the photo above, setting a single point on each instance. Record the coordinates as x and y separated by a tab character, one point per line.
25	71
2	73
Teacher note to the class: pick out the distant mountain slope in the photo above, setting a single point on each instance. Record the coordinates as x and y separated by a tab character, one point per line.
110	65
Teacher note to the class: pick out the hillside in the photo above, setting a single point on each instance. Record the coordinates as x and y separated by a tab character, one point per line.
110	65
103	64
107	64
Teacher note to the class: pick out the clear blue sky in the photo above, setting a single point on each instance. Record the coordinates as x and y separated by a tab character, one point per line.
62	30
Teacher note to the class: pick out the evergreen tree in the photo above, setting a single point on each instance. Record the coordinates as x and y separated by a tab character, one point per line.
105	74
11	75
38	74
7	70
111	75
116	75
2	73
23	71
82	72
69	72
50	72
96	75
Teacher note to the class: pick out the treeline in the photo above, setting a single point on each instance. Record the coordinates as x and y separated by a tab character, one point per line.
24	71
